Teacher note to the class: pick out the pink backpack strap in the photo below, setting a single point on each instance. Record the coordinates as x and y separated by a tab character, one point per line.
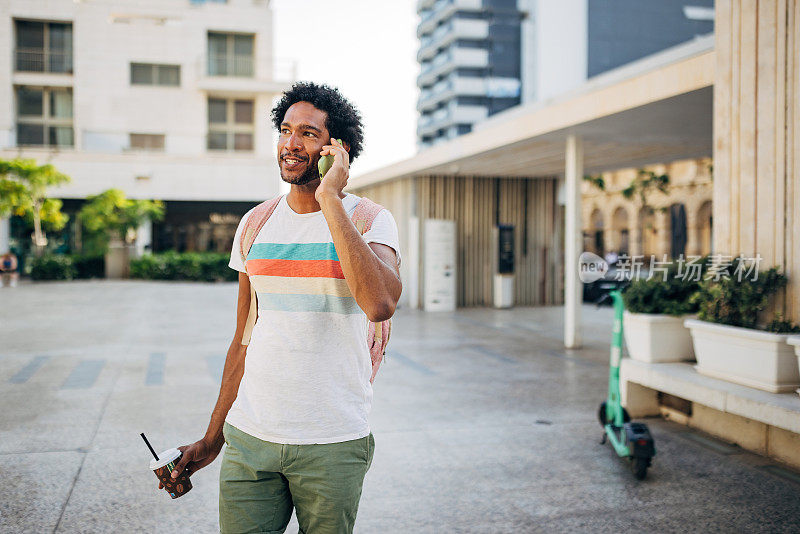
377	333
255	222
364	215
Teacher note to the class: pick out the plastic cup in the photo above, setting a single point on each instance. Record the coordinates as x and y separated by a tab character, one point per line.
163	469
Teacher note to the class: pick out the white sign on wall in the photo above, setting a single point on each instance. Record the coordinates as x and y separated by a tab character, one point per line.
439	261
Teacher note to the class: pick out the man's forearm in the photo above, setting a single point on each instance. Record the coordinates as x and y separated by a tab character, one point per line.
231	378
374	284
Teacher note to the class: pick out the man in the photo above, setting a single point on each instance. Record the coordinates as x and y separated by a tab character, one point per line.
297	431
8	269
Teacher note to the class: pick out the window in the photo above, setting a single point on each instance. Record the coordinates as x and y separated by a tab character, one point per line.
230	124
150	74
230	54
44	116
154	142
43	46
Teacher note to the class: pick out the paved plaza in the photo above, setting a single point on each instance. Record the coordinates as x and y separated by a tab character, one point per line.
483	423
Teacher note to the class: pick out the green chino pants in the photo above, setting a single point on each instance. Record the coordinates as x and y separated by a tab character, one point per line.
260	482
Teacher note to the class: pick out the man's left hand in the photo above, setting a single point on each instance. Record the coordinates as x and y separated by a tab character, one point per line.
336	178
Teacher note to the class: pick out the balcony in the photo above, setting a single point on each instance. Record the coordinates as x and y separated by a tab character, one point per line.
41	60
454	86
449	32
451	115
424	4
451	59
231	65
442	10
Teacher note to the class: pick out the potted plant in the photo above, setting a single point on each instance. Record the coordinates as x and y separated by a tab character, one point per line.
793	341
727	341
112	220
654	313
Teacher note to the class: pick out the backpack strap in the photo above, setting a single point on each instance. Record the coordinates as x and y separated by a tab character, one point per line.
255	222
364	215
377	333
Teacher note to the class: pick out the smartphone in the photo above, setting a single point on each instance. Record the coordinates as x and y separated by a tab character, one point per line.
325	163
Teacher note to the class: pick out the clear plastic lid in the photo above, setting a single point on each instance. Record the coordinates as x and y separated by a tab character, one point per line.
164	458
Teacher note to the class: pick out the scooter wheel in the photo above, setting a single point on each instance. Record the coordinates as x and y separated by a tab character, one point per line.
639	467
601	415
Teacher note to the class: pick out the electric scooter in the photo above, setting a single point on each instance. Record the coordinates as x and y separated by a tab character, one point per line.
630	440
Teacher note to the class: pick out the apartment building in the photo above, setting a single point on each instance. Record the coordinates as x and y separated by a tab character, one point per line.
480	57
163	99
470	66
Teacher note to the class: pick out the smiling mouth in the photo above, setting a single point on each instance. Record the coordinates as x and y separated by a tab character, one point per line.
292	162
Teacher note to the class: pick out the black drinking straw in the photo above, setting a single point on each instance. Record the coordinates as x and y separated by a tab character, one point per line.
149	446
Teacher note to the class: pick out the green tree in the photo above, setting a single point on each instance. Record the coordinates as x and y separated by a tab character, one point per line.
646	183
23	192
111	215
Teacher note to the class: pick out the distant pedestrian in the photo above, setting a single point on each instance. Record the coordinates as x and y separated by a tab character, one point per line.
294	398
8	268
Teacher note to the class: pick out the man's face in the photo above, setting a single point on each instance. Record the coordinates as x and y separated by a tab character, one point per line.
302	136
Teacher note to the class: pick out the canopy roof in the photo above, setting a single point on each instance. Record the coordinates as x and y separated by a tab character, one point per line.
653	110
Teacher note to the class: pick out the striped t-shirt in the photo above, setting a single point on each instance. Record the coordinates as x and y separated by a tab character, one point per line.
307	370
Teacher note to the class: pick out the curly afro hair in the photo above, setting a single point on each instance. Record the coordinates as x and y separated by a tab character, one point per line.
344	120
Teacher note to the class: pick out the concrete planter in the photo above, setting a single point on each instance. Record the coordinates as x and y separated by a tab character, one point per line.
794	341
656	338
118	259
760	360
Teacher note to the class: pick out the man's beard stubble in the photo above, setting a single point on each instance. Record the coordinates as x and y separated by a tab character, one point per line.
309	175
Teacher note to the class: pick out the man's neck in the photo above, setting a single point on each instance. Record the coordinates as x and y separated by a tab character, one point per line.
301	198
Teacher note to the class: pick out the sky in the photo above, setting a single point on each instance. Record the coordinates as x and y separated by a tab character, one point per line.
367	49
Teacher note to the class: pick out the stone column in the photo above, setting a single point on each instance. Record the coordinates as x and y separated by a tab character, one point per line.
757	136
692	231
573	288
5	234
663	234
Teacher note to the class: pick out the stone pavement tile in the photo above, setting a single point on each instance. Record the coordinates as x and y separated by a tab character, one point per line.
163	430
45	419
34	488
452	512
667	519
117	492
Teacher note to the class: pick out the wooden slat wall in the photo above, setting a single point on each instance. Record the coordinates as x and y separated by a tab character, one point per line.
756	130
471	201
396	196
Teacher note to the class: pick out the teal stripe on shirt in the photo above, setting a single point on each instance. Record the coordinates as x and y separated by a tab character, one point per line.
307	303
293	251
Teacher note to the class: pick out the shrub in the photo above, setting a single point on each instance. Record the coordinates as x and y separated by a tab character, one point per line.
89	266
198	266
738	303
779	325
52	267
672	296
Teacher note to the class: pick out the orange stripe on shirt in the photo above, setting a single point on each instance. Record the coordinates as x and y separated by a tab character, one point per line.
316	268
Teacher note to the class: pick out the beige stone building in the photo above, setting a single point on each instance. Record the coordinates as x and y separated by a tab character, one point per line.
671	224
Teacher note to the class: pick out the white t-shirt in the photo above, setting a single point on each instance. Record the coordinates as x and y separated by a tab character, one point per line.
307	369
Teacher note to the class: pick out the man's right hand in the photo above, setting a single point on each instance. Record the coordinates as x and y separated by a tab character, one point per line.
195	456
